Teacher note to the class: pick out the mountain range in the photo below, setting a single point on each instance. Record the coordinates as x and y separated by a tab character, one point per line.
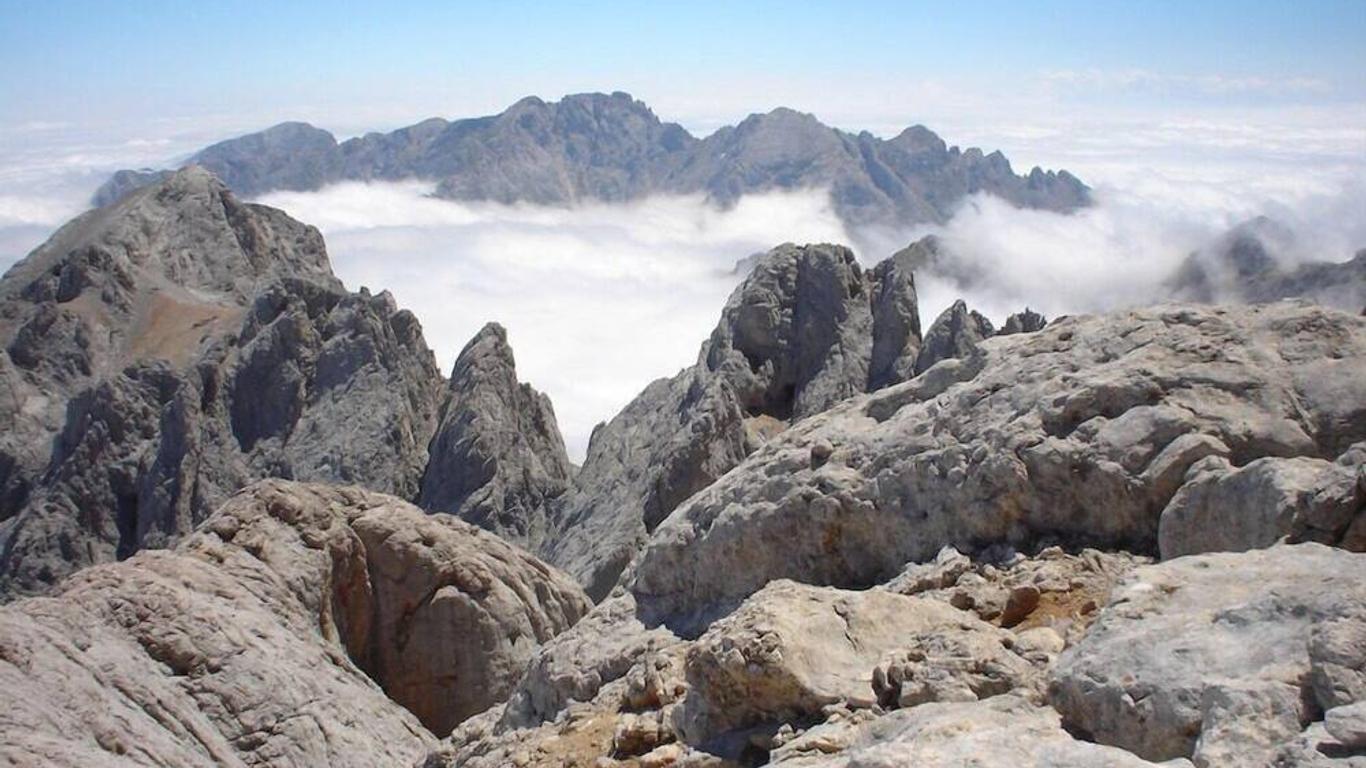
612	148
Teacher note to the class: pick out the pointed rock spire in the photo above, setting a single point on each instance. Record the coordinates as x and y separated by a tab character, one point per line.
497	458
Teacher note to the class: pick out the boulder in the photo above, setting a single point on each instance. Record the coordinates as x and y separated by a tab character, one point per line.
791	650
1208	656
1004	730
1225	508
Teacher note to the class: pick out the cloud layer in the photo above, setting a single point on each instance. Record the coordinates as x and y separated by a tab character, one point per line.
601	299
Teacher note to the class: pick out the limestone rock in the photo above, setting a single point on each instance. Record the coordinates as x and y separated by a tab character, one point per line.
792	649
1027	321
1221	507
1337	659
954	334
800	334
1348	724
896	323
266	637
1077	434
171	348
497	459
1004	730
1195	656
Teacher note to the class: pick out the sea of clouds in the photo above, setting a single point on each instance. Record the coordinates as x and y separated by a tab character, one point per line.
601	299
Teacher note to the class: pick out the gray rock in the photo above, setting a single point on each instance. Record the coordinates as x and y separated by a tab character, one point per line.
1337	660
956	333
605	147
792	649
1207	656
497	459
1004	730
799	335
1027	321
1347	724
167	350
1078	434
1227	508
896	323
123	182
265	638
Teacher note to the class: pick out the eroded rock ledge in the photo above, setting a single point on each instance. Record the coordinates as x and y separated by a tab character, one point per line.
302	625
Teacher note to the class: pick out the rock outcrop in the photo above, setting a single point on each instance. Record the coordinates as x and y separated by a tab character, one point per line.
806	329
791	650
611	148
497	459
272	636
1210	657
165	351
1027	321
1227	508
1079	434
955	334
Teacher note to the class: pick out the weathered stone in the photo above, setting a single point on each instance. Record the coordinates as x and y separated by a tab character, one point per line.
1027	321
796	337
1080	434
1003	730
171	349
1192	655
791	650
1227	508
497	459
956	333
251	642
1347	724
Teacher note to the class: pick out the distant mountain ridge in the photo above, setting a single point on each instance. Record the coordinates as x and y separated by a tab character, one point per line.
613	148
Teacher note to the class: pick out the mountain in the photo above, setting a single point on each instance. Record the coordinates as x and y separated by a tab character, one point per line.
612	148
163	352
1249	264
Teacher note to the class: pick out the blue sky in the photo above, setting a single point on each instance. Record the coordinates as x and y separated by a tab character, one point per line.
358	65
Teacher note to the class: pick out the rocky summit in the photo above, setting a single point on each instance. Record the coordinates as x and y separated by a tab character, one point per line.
612	148
246	521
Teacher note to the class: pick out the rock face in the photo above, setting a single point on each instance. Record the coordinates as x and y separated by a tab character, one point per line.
497	459
251	642
1210	656
613	148
1078	434
1249	264
1227	508
955	334
165	351
806	329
